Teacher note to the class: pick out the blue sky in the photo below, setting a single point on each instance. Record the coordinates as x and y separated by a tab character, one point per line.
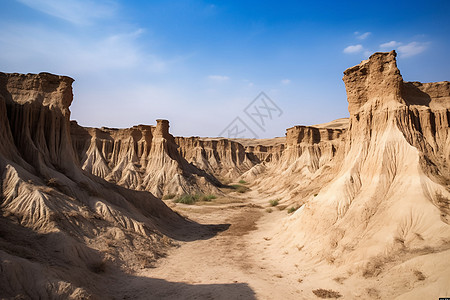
200	63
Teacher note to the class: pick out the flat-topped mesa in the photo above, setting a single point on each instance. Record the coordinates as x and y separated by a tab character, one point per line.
43	89
311	135
376	80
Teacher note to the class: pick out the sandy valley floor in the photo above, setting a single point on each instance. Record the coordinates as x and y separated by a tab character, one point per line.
231	256
233	263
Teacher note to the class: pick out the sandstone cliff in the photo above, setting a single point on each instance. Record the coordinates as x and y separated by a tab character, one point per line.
388	197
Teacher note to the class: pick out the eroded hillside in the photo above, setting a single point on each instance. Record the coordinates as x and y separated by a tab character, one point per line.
61	227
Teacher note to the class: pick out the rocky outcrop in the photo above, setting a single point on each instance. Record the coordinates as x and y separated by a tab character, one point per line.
35	115
113	154
265	153
141	158
388	196
56	217
375	81
421	110
297	169
311	135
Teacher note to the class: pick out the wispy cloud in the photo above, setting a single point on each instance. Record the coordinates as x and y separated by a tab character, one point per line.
412	49
405	50
362	36
353	49
80	12
218	78
58	52
285	81
391	45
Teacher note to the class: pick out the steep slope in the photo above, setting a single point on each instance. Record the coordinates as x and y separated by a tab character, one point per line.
388	199
55	217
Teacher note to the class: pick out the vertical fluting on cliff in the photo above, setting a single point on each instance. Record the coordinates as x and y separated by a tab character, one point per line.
37	108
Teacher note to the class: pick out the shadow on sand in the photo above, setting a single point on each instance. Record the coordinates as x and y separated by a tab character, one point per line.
192	231
154	288
26	247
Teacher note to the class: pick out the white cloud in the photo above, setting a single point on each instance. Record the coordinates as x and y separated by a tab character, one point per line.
80	12
412	49
362	36
218	78
32	48
353	49
405	50
285	81
391	45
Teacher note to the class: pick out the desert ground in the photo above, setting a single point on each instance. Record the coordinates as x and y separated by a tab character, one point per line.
233	257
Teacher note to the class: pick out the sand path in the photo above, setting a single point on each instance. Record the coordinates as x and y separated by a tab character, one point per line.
226	259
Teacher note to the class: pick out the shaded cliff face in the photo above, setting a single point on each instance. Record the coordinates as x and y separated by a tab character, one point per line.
56	217
35	121
311	135
389	195
425	125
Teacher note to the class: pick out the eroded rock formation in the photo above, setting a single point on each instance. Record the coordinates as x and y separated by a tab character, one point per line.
388	197
370	190
221	157
54	216
141	158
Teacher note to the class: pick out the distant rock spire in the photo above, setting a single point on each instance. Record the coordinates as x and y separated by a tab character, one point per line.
162	128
